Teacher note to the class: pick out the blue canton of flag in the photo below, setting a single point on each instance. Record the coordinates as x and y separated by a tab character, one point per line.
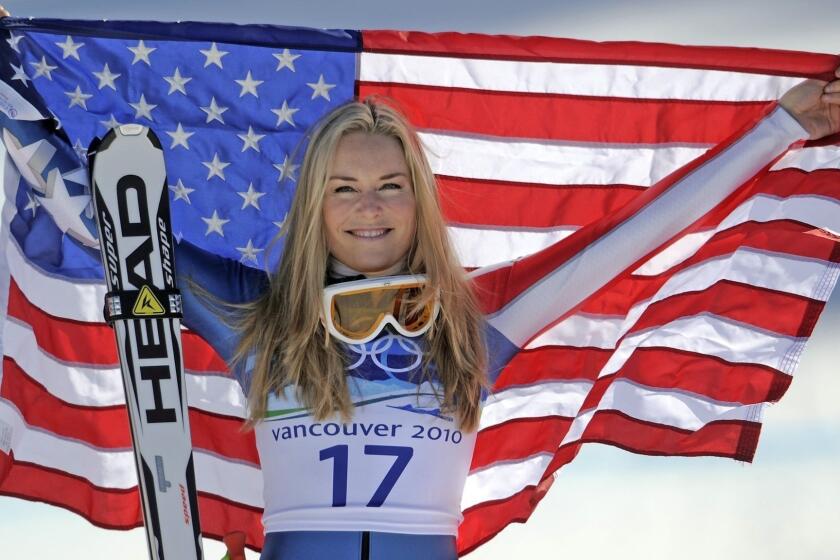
230	118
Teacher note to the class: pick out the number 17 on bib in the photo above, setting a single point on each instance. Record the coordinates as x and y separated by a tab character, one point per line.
144	308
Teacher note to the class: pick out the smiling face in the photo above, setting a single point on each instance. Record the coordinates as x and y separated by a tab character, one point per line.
369	206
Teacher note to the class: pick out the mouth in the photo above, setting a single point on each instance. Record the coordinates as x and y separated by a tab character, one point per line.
369	233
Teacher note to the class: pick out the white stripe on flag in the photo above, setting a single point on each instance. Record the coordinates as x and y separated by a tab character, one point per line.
476	247
582	330
90	386
76	300
597	80
555	398
711	335
775	271
816	211
114	469
783	273
810	159
502	480
674	408
553	163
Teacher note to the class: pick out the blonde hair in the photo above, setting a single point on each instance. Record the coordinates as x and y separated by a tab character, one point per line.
283	328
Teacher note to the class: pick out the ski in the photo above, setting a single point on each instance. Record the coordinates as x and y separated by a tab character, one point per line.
144	308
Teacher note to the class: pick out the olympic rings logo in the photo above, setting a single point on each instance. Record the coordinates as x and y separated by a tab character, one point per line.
379	351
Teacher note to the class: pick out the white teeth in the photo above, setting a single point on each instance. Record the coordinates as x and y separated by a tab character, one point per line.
369	232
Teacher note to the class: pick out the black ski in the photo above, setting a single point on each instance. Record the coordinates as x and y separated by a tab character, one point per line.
144	308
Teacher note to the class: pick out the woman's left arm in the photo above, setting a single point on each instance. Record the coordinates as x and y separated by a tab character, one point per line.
525	296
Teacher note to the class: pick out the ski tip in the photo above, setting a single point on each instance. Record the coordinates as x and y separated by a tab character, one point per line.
131	129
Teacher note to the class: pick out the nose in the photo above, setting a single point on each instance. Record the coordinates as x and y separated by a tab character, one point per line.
370	203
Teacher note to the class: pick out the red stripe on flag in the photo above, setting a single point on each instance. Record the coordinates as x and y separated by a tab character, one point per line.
723	438
770	310
70	341
567	117
517	439
501	203
709	377
224	516
792	181
199	356
483	521
547	363
120	509
498	203
106	508
507	47
107	427
94	343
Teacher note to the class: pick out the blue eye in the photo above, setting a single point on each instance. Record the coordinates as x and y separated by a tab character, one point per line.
391	186
344	189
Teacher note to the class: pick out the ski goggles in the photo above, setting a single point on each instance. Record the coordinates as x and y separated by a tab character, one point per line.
356	312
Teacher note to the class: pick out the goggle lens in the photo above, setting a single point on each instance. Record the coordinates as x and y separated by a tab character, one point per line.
357	315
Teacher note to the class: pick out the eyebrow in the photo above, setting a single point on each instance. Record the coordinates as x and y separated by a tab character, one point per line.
383	178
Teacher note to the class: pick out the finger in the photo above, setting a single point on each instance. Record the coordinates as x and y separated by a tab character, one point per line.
833	98
832	87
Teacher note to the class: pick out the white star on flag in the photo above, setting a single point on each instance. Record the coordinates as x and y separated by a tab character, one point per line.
287	169
43	68
19	74
13	41
80	150
66	210
214	224
281	223
141	52
180	137
78	98
213	56
249	252
111	123
249	85
181	192
321	88
285	114
32	203
251	197
285	60
106	78
214	112
177	82
69	48
216	167
251	139
143	109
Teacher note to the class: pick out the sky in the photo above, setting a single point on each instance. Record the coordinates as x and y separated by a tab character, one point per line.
607	503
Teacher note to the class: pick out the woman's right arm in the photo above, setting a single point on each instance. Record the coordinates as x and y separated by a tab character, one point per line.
226	281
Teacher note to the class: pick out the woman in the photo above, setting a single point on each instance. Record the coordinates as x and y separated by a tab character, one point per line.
365	432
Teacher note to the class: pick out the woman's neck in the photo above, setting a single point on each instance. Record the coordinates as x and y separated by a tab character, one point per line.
338	269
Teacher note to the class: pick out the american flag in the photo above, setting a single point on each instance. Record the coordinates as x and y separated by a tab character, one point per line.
532	140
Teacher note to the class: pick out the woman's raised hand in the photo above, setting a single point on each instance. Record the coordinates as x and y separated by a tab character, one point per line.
816	105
